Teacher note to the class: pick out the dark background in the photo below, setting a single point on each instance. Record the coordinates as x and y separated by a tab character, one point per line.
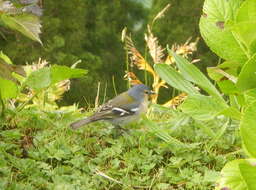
90	31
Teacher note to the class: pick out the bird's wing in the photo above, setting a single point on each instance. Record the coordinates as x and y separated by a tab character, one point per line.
120	106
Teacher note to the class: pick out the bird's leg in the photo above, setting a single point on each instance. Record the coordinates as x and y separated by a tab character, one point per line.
118	127
120	131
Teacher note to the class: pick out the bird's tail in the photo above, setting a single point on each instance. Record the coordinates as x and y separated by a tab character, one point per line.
77	124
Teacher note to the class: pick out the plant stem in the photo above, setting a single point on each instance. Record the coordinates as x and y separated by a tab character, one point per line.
114	85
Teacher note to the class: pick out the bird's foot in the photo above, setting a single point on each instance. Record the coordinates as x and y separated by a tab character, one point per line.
120	131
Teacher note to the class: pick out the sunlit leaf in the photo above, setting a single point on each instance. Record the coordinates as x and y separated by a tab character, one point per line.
217	35
248	171
250	96
247	11
232	112
8	89
248	129
193	74
60	73
175	79
247	76
39	79
232	175
246	31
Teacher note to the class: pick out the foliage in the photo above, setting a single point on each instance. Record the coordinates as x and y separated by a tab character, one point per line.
19	18
179	23
85	34
82	31
39	151
157	55
182	148
227	28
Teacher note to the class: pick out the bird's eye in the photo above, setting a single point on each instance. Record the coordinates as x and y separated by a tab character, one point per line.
146	91
149	92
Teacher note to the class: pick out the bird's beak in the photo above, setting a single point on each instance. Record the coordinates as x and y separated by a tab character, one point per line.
151	92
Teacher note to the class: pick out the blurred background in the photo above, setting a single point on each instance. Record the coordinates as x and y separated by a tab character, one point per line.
90	31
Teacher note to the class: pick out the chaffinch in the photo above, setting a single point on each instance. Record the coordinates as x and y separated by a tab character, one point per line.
123	109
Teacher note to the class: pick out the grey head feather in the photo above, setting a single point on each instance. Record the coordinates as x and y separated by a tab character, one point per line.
138	91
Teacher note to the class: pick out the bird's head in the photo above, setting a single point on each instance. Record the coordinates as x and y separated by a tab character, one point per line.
140	91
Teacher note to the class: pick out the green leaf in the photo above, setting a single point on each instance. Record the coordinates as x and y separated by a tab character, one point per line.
28	24
39	79
245	24
175	79
250	96
232	175
248	171
226	68
193	74
246	31
226	76
232	112
5	58
247	76
247	11
8	89
248	129
227	87
213	27
60	73
202	107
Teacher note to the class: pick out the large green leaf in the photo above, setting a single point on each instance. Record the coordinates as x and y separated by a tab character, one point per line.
202	107
8	89
28	24
60	73
250	96
234	176
246	32
175	79
46	76
247	11
245	24
247	76
248	129
227	87
193	74
248	171
232	112
39	79
215	31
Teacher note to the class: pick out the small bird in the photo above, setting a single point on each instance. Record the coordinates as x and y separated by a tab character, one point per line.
123	109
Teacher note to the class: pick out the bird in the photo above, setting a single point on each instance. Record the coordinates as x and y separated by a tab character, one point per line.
123	109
